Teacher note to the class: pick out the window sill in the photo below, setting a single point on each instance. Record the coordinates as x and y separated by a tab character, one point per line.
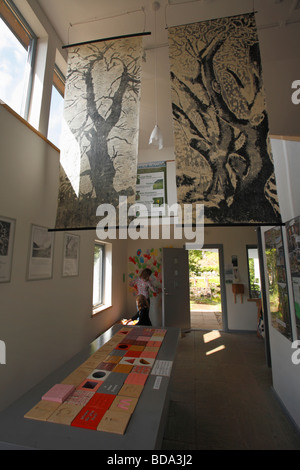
26	123
100	309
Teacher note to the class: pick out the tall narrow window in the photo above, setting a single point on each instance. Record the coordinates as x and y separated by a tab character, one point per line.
253	272
17	52
102	281
56	107
98	282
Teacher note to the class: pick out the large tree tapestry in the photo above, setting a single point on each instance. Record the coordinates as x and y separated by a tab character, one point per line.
223	156
98	160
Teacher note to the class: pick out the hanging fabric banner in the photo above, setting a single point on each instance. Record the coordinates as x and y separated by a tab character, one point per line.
98	161
223	155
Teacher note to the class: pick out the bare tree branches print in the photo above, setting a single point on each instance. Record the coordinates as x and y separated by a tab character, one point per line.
99	149
223	156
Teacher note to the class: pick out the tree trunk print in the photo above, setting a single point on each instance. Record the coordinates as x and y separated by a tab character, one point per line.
220	121
101	112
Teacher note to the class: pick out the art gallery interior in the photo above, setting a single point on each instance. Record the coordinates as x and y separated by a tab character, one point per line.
46	320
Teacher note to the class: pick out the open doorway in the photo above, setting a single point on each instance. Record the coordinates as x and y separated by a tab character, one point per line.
205	289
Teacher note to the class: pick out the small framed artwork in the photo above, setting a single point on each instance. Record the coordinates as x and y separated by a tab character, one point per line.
40	263
7	235
70	255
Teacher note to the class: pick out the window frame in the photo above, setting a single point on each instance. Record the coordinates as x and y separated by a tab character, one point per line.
251	296
17	24
101	274
106	278
58	82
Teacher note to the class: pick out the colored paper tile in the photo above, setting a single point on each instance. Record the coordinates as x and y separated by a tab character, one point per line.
42	410
140	343
88	417
122	346
92	362
148	332
133	347
129	360
129	341
131	390
124	404
114	359
145	339
106	366
133	378
110	388
114	422
155	344
101	401
132	353
113	384
118	352
160	332
88	384
79	397
151	349
77	376
148	354
157	338
58	393
65	413
141	370
143	361
123	368
99	374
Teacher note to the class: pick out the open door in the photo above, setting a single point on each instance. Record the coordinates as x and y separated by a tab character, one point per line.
175	283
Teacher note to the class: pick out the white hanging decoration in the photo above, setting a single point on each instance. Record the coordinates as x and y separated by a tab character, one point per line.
156	137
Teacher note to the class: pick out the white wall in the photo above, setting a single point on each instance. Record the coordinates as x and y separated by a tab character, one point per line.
241	316
286	375
43	322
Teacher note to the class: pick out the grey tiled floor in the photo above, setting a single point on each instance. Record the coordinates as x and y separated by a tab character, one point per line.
221	397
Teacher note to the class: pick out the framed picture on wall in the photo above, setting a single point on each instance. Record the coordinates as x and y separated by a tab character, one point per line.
7	234
70	255
293	239
40	260
277	282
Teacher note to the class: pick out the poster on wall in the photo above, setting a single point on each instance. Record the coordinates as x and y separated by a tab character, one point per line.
40	262
223	155
7	231
277	282
293	239
70	255
151	188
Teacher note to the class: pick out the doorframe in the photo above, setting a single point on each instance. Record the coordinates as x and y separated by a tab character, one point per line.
222	282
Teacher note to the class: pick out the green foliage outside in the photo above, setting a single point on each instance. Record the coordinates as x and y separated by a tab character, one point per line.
254	281
271	257
204	277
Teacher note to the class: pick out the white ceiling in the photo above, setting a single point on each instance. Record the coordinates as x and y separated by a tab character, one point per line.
278	23
82	20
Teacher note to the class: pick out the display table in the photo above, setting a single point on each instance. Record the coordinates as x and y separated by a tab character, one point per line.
144	430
